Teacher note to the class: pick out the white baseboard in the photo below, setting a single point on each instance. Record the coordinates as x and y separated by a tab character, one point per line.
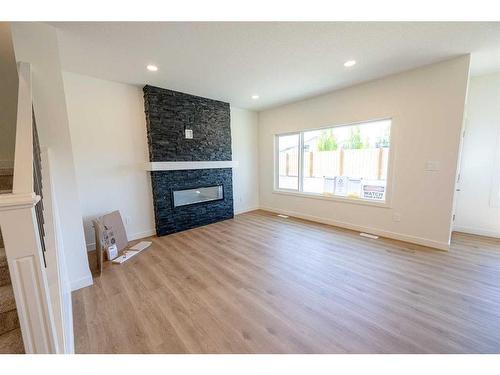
359	228
132	237
477	231
139	235
247	209
81	283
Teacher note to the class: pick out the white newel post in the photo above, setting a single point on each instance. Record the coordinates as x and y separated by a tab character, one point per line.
29	282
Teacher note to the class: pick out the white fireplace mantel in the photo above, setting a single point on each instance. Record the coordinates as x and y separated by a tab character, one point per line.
185	165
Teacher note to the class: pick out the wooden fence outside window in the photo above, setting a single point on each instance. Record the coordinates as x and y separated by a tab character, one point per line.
369	163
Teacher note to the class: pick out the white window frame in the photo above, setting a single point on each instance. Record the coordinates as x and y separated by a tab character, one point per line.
277	163
350	200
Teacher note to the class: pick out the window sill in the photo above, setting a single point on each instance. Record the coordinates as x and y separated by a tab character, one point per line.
361	202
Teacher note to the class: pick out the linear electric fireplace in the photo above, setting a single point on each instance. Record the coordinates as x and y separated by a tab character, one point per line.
199	195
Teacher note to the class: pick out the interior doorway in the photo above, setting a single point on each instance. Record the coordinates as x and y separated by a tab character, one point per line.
477	209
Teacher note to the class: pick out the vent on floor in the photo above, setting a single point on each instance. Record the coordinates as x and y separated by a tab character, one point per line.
283	216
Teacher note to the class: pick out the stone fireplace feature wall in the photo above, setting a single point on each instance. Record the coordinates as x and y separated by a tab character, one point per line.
168	114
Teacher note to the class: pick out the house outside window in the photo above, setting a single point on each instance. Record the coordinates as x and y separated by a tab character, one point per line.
349	161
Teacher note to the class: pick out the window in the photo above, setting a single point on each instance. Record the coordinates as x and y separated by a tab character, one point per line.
288	146
348	161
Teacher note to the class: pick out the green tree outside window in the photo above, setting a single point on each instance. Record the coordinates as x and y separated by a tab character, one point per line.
327	141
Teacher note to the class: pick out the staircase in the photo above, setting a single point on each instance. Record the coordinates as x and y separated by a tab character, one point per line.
10	333
33	319
6	176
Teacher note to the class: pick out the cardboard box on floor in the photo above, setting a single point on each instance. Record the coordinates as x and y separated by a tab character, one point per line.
112	220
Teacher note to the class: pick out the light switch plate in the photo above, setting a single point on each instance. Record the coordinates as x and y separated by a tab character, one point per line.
188	133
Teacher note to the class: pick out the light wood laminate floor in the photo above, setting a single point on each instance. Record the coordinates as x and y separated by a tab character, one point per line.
263	284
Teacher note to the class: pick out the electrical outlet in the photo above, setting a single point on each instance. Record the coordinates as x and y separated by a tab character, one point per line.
188	133
127	220
396	217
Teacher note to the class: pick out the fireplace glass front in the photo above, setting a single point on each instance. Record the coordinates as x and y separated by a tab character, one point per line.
198	195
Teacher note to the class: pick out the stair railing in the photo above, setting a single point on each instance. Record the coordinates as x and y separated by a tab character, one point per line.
22	225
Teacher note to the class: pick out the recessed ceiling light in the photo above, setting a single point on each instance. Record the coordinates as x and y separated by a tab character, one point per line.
255	97
152	68
349	63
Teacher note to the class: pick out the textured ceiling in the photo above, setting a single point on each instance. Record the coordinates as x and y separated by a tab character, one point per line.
281	62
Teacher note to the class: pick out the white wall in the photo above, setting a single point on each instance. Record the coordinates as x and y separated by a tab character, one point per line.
37	44
8	97
108	132
426	106
245	144
476	212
